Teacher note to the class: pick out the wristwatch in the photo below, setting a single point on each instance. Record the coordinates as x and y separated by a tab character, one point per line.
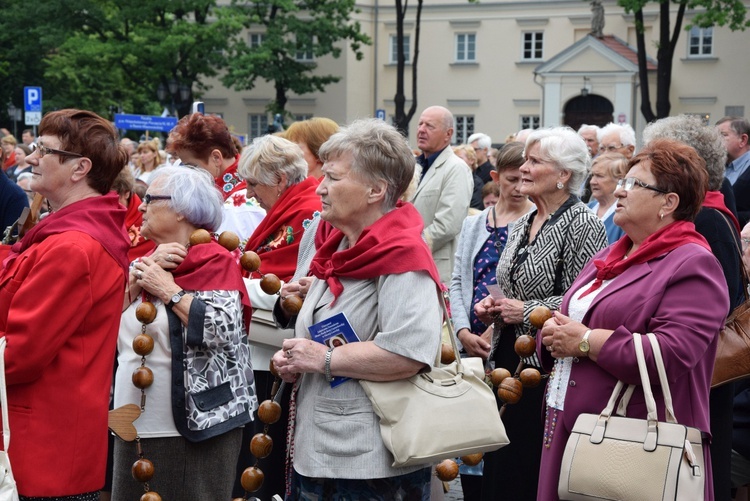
176	299
584	346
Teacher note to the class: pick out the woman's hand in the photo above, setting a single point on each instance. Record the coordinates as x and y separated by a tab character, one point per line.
298	356
511	310
155	280
475	346
487	310
561	336
169	255
298	288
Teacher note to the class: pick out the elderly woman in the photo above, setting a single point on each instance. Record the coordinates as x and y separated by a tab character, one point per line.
661	278
205	141
59	359
480	243
545	251
310	135
202	391
276	175
606	170
720	228
373	265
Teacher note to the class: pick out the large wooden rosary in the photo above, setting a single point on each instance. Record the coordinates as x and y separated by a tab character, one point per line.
121	419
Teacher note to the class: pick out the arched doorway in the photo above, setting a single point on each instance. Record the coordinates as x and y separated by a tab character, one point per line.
591	110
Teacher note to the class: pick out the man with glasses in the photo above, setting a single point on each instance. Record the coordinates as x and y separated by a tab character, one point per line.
735	132
618	138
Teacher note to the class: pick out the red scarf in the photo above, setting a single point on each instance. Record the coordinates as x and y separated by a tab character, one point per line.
230	182
277	237
657	244
101	217
715	200
390	246
211	267
139	246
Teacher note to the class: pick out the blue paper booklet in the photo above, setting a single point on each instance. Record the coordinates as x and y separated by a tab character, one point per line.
334	332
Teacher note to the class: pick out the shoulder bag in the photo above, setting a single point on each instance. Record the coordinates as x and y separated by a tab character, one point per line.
629	459
264	331
444	413
8	489
733	348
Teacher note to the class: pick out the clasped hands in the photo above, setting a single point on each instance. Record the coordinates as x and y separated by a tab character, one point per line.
561	335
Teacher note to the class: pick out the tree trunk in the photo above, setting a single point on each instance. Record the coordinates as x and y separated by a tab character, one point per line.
402	118
648	114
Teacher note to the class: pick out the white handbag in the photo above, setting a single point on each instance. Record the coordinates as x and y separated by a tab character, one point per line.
629	459
8	489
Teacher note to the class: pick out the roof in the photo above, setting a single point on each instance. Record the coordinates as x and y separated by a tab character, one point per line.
620	47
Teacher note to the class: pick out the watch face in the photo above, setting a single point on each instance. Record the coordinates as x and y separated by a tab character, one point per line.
584	346
176	298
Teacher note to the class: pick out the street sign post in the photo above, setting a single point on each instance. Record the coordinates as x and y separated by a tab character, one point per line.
32	105
144	122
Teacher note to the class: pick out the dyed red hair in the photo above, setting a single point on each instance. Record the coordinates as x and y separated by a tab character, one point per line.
200	135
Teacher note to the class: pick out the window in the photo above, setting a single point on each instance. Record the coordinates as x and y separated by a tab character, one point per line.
533	44
701	42
529	122
466	47
256	40
393	58
257	125
464	128
304	49
731	111
303	117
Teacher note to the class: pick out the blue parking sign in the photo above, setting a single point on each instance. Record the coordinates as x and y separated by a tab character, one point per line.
32	99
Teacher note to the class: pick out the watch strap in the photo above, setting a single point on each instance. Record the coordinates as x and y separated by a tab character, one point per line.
171	302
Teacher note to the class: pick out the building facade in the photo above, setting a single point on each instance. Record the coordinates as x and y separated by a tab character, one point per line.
501	66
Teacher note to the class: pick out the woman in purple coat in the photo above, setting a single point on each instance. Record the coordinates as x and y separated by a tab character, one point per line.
661	277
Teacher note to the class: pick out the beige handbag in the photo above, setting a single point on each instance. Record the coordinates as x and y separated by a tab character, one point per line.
8	489
446	413
264	332
628	459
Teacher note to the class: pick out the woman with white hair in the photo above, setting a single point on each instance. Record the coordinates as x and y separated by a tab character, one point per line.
543	255
202	392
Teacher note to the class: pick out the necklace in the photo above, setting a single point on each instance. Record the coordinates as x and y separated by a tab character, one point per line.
499	244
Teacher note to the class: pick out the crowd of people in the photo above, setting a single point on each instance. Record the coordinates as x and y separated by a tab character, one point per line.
108	302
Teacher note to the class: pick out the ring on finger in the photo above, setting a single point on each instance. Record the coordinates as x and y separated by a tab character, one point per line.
139	274
169	257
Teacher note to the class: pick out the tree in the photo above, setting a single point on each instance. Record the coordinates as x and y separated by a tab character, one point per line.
287	35
730	13
402	118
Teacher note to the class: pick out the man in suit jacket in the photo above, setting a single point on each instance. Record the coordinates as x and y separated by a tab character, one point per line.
735	131
445	187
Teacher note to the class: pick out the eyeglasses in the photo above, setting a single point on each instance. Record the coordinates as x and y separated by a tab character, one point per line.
611	147
43	150
148	198
629	183
745	242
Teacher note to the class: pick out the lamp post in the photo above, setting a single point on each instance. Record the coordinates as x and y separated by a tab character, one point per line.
178	94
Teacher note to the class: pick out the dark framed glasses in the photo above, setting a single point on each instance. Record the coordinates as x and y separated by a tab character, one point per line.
629	183
148	198
44	150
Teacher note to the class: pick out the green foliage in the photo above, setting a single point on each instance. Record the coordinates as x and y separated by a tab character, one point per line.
731	13
289	28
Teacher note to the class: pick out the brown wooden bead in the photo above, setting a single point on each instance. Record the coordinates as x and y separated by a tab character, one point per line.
143	344
447	355
472	459
530	377
525	346
447	470
269	411
250	261
510	390
251	479
151	496
539	315
145	312
292	304
143	470
261	445
229	240
200	236
270	284
143	377
273	370
498	375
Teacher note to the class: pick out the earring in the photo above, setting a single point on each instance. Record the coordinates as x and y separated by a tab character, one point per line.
560	186
661	216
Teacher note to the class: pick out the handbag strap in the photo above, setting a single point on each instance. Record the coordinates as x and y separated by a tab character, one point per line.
738	248
451	335
4	396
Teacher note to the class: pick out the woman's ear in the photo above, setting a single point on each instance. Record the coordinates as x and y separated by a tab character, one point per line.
81	169
670	204
377	192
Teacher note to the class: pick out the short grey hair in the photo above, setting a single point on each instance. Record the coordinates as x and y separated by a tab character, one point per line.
625	133
268	157
566	149
484	142
194	195
378	153
585	128
705	140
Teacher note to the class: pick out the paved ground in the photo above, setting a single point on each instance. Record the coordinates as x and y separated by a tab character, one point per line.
455	494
